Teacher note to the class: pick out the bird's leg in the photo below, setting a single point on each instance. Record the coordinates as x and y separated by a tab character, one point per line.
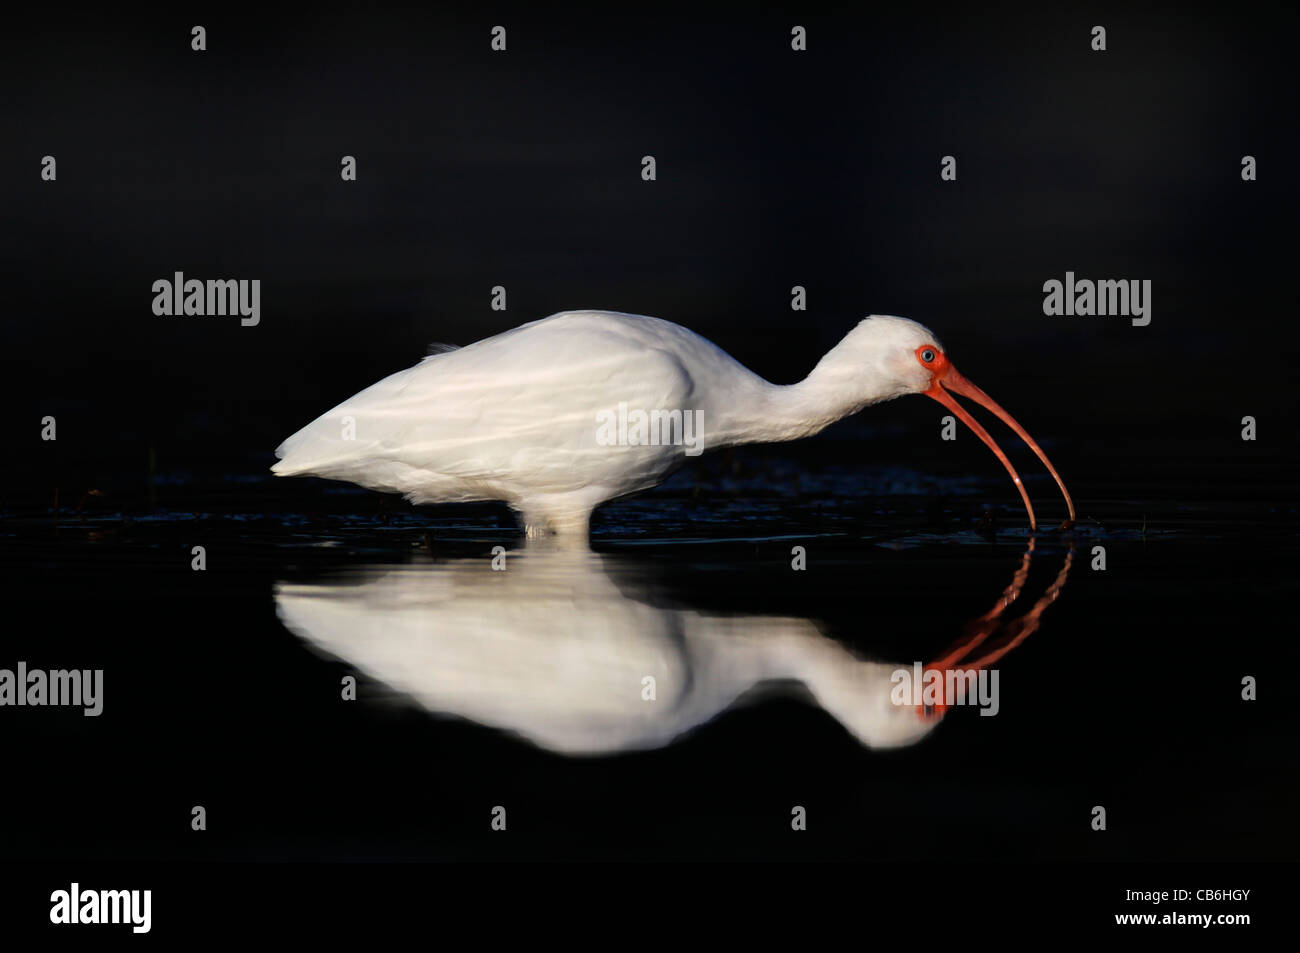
572	526
569	532
563	517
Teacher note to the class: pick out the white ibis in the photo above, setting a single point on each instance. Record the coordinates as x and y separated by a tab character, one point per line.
560	415
580	654
556	651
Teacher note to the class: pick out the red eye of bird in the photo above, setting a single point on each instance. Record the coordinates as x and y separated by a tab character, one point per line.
926	354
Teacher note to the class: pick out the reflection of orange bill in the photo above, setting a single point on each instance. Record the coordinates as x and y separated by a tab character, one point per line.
1014	632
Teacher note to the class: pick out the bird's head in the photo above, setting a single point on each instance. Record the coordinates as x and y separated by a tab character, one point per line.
905	357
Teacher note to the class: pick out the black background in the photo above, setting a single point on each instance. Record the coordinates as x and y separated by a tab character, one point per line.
522	169
775	168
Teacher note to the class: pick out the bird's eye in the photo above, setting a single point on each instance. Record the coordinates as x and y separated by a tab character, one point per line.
927	355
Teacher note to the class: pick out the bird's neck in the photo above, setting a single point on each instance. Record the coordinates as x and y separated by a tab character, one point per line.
833	390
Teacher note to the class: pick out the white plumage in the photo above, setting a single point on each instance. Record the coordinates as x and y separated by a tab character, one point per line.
518	417
557	652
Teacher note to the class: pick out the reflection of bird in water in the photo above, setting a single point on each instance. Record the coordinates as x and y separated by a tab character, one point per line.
527	416
554	650
960	655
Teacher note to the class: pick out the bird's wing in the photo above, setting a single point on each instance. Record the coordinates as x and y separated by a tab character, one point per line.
521	402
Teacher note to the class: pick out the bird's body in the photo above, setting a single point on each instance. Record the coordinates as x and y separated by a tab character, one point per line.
560	415
559	650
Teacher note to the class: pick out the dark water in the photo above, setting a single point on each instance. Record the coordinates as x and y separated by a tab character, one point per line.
1126	693
1120	688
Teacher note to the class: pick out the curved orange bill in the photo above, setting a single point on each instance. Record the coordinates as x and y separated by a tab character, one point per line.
950	380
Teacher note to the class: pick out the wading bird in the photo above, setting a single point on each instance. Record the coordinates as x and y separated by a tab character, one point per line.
560	415
559	650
